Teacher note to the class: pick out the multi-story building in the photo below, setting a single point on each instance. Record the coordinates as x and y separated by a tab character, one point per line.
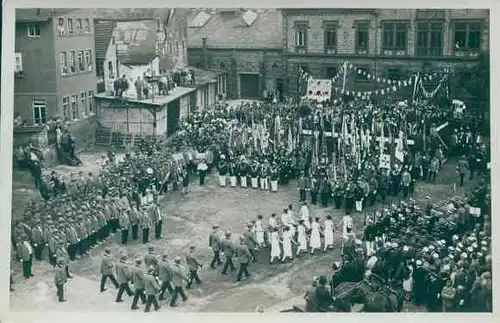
383	43
55	67
247	44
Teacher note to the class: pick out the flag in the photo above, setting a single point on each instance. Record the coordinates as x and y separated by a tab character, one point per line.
290	139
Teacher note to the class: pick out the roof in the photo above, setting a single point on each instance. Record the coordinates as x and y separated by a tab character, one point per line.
136	58
202	77
231	31
39	14
159	100
103	32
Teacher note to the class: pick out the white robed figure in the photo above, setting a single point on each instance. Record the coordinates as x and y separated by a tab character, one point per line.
328	233
287	244
315	241
272	224
304	215
301	237
275	245
346	222
259	232
287	220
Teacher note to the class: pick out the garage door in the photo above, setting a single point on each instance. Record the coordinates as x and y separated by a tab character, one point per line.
249	86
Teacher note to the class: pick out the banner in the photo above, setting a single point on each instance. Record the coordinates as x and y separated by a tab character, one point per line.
319	89
385	161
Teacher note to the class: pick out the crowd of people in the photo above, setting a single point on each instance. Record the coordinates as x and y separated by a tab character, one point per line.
258	146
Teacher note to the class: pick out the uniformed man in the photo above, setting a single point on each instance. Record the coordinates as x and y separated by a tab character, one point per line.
52	247
273	175
302	186
250	241
123	276
406	182
60	279
243	172
337	195
244	258
165	275
193	266
25	252
37	239
232	172
228	250
151	288
178	277
138	282
145	224
72	240
254	174
151	260
223	168
107	270
157	220
264	175
62	254
215	242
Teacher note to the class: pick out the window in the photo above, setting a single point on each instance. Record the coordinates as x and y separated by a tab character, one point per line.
394	74
330	72
65	108
330	38
83	103
394	36
74	107
176	48
39	113
429	39
60	26
111	70
86	25
183	47
71	62
88	60
70	26
301	34
362	32
79	26
359	77
18	67
64	63
33	30
90	101
467	36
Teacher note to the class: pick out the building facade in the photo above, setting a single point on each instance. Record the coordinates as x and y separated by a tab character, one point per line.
384	43
247	44
106	55
55	66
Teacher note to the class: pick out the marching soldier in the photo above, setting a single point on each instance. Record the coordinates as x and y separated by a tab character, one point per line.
60	279
139	284
214	242
151	288
150	259
244	258
106	269
228	249
124	226
193	266
165	275
250	241
145	223
123	277
178	277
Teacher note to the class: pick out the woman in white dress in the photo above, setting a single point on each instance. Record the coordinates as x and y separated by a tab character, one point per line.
272	224
259	231
328	232
346	223
315	241
287	244
302	238
408	281
275	245
304	215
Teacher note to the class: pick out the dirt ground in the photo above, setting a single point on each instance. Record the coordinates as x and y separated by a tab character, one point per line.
188	222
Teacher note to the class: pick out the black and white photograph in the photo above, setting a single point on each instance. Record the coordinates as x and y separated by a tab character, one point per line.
251	160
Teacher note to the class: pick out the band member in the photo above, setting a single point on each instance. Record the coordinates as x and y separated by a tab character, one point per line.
274	173
254	173
263	176
223	169
232	174
243	172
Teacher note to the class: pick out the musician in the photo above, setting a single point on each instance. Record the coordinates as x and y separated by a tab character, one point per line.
223	170
264	174
274	177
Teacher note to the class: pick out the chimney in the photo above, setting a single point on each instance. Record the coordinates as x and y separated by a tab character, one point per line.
204	51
